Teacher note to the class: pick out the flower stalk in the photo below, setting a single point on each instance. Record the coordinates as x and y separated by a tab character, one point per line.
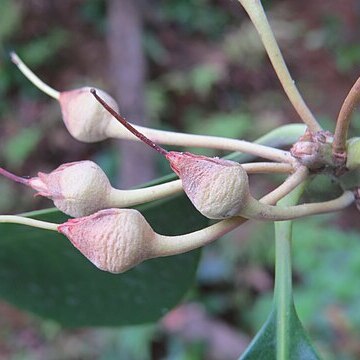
258	17
114	130
343	121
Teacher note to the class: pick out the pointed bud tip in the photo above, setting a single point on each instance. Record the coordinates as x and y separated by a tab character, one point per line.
218	188
14	57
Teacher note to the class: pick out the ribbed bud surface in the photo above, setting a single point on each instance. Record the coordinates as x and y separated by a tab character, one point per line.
218	188
114	240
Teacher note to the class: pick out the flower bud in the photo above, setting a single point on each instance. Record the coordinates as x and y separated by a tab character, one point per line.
114	240
77	189
218	188
84	118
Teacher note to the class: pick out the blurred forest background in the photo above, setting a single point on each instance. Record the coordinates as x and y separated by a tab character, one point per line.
195	66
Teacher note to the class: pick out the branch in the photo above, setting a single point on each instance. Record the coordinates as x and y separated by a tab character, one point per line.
259	19
344	118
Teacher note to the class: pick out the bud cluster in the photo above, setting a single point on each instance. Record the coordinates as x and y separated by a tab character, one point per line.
116	239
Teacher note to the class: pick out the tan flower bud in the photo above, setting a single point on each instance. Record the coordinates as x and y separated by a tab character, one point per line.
77	189
218	188
114	240
84	118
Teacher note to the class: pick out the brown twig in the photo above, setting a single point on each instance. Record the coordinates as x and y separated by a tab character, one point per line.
343	120
123	122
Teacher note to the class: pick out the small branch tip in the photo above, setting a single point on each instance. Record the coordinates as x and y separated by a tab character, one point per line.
13	177
14	57
126	124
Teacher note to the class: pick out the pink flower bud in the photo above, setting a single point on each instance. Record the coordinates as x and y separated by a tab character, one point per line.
114	240
84	118
218	188
77	189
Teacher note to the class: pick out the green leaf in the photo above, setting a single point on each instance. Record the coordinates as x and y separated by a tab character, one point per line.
264	345
41	271
18	147
282	337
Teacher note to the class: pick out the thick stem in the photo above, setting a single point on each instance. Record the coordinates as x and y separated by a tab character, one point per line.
172	245
283	278
287	186
126	198
33	78
344	118
202	141
267	168
279	137
259	19
167	137
257	210
29	222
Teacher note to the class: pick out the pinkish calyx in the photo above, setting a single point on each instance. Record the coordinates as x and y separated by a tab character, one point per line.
217	188
77	189
114	240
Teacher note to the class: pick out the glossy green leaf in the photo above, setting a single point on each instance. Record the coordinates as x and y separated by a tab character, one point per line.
41	271
264	345
282	337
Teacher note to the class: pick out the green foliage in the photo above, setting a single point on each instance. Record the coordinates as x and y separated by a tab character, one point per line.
17	148
231	125
10	17
57	282
282	337
326	263
195	16
45	47
264	345
335	255
199	80
94	12
347	54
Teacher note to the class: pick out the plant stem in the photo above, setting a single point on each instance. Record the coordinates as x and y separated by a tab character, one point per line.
126	198
153	137
33	78
283	278
14	177
284	135
287	186
344	118
28	221
172	245
279	137
259	19
202	141
267	168
257	210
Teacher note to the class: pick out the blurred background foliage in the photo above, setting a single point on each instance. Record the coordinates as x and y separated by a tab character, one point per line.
207	73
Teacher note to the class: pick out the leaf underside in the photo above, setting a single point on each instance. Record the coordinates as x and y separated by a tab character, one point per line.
40	271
